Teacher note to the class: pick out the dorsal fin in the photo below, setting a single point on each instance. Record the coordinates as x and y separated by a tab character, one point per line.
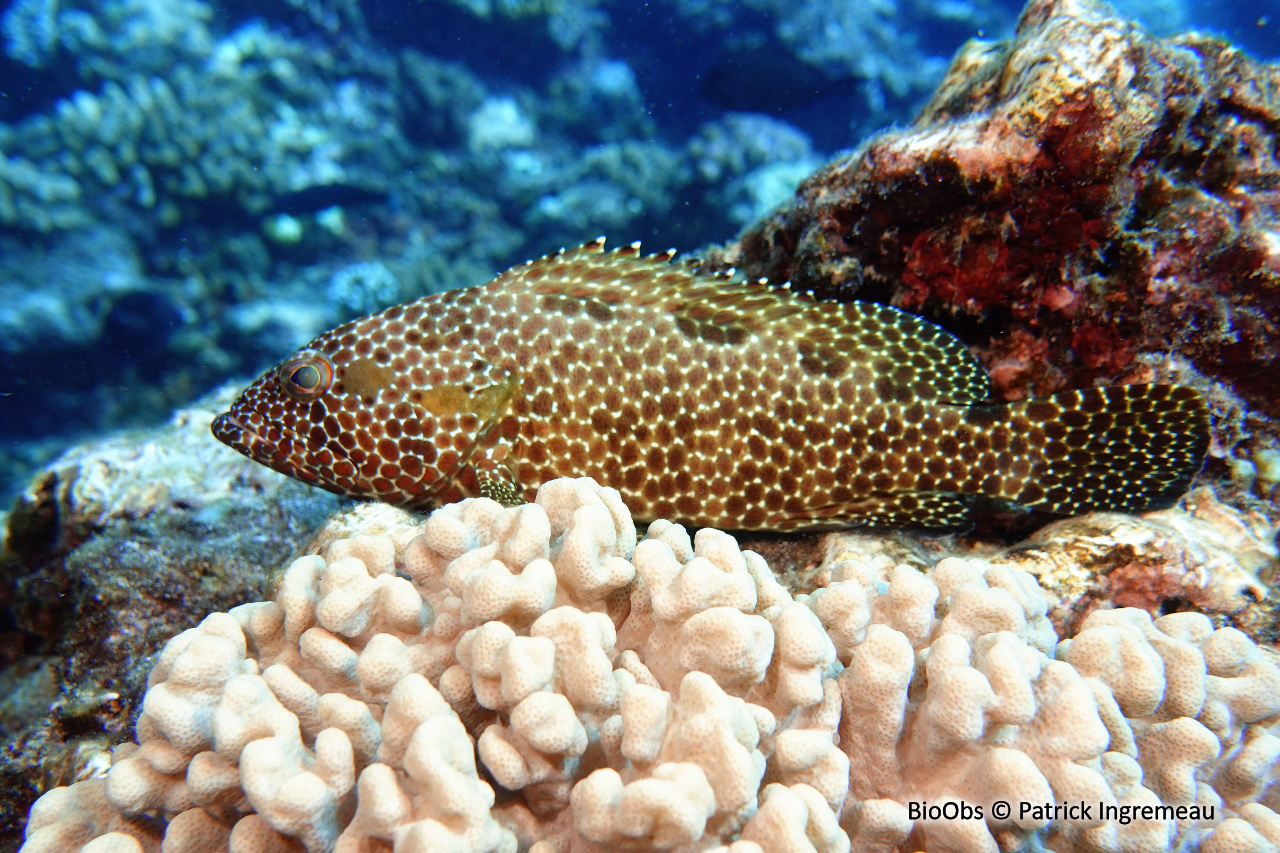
914	357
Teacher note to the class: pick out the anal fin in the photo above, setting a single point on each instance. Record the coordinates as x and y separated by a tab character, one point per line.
926	510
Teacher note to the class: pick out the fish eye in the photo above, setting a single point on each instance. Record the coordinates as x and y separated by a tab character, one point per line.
305	378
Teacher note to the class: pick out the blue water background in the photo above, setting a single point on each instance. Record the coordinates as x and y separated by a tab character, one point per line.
189	191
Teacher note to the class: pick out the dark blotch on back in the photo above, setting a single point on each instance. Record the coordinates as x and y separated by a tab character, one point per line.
598	311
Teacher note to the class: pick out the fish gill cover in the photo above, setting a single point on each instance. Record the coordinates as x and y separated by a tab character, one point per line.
190	192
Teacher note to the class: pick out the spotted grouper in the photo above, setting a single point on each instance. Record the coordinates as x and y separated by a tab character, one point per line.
700	399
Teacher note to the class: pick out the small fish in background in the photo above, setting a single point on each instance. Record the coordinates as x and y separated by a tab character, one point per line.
702	400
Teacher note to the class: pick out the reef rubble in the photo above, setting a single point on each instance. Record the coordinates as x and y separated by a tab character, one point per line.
1203	555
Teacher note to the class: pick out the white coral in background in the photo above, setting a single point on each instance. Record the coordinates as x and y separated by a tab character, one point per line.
669	695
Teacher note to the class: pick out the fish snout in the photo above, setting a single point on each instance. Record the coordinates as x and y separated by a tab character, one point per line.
226	428
231	431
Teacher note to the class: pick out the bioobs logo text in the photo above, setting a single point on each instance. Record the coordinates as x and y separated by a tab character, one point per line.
949	810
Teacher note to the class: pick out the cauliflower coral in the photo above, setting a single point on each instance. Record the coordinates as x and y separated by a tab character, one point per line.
533	678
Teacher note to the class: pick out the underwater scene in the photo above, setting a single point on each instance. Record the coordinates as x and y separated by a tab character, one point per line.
567	426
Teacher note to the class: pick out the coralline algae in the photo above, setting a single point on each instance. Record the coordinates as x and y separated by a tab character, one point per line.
1085	202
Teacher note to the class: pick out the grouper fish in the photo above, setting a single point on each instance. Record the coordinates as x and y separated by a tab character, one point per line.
700	399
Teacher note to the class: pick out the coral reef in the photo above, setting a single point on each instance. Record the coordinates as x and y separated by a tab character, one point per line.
1204	554
55	296
30	31
248	164
188	190
212	128
497	679
752	163
104	558
255	146
1082	203
568	23
254	157
83	309
890	49
128	477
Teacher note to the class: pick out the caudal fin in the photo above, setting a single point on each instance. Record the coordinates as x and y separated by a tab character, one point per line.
1123	448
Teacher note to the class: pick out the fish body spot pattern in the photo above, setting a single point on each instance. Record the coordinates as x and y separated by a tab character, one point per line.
700	399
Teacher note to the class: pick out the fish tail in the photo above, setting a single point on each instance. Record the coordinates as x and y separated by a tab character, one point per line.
1119	448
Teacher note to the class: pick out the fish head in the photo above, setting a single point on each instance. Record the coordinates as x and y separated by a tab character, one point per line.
361	415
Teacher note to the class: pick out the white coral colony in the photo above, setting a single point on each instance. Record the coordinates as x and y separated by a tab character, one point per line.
533	679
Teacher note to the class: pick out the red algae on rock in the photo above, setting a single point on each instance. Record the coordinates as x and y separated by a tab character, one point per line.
1082	204
1204	556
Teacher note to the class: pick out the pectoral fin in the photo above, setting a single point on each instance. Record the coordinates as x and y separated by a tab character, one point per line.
498	484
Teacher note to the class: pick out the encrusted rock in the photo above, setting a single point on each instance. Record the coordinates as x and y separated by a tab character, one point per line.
1082	203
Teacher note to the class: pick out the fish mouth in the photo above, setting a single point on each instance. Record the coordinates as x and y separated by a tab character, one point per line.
234	433
242	438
